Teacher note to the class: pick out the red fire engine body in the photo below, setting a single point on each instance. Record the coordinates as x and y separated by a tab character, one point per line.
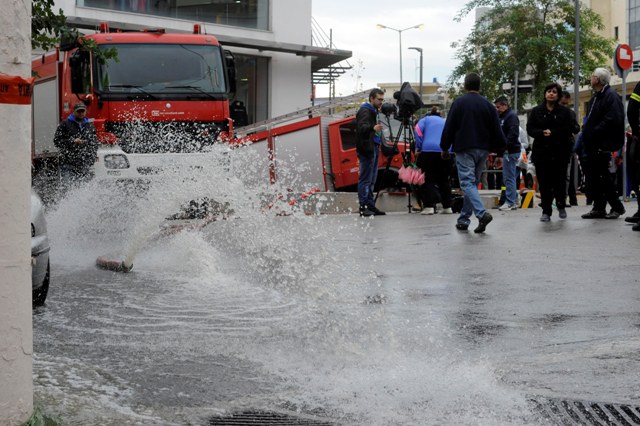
164	93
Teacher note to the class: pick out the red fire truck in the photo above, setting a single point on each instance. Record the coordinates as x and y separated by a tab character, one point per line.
163	93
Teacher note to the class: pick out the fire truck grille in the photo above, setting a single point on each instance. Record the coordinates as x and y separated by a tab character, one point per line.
145	137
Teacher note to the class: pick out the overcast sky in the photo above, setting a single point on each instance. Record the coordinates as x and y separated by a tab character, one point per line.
353	24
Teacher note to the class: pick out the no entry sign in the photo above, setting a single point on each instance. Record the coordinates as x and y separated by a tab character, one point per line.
624	56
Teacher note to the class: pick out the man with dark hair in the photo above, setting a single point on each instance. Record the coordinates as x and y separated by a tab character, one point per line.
369	130
473	129
602	134
511	128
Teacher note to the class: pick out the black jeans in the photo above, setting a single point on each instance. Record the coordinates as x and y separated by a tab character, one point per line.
600	185
552	179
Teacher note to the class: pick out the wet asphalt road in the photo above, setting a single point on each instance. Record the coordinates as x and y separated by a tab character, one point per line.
391	320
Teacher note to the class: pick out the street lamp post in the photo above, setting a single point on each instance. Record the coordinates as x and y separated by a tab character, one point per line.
419	49
380	26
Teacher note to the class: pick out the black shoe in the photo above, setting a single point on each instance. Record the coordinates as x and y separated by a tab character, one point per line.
366	212
614	214
462	226
562	213
483	222
636	227
633	219
376	211
594	214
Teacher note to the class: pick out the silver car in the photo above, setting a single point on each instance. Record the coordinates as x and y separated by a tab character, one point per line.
39	252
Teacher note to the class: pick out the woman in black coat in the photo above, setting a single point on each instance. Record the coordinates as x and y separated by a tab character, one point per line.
550	125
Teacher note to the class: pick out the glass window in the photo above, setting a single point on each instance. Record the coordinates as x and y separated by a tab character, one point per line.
237	13
163	68
252	75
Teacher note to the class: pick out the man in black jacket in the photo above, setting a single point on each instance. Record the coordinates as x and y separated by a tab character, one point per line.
77	146
473	129
633	152
511	128
368	141
602	134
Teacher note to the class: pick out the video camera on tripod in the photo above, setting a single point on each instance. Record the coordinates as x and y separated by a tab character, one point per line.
408	101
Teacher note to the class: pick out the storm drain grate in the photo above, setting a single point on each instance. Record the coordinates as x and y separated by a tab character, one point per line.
266	418
567	412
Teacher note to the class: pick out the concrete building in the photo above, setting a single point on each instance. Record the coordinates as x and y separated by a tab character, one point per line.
270	39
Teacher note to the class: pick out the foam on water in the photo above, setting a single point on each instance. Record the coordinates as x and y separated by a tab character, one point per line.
284	294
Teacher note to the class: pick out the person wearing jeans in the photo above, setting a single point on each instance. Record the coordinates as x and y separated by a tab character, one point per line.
369	131
473	130
510	126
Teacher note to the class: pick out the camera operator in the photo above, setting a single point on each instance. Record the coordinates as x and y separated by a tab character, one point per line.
368	142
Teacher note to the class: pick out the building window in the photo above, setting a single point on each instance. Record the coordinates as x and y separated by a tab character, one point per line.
252	79
237	13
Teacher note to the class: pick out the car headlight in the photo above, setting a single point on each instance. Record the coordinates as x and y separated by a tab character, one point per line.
116	161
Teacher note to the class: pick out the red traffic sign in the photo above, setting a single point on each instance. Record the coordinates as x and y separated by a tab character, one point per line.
624	56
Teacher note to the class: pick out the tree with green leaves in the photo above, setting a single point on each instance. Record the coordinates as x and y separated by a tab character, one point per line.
536	38
49	27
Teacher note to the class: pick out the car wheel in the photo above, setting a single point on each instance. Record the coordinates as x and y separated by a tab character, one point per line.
39	295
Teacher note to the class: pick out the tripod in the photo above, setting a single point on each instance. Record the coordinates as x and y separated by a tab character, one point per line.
408	139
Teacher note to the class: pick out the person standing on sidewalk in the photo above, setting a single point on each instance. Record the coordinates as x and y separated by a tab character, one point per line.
472	128
368	142
550	126
602	134
437	170
511	129
572	172
633	152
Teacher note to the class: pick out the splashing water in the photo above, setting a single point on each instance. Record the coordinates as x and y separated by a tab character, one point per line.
281	296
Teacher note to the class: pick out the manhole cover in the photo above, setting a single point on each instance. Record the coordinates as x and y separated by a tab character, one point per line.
568	412
266	418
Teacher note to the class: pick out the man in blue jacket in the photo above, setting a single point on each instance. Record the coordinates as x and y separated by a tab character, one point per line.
77	146
473	129
368	130
511	128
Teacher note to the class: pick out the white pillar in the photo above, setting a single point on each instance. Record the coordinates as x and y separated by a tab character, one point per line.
16	346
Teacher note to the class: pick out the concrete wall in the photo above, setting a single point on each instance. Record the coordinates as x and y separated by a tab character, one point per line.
16	388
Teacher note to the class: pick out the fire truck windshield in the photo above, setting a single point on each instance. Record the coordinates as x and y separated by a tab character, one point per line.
163	69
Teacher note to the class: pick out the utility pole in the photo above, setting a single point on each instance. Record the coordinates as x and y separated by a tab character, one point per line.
16	333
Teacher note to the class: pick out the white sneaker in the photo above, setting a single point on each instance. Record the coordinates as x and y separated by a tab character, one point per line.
507	207
446	211
428	210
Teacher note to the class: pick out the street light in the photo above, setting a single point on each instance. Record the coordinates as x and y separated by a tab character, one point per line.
380	26
419	49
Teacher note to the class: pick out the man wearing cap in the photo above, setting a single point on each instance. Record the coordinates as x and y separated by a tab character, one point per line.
77	146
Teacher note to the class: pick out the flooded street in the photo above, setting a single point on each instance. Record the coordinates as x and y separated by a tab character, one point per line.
395	320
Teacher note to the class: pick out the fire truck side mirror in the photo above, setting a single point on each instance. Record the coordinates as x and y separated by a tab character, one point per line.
230	63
